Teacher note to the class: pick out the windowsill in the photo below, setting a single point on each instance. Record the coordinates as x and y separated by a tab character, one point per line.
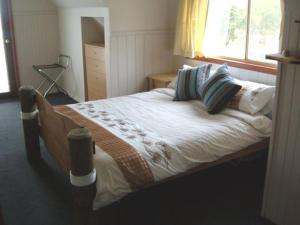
243	64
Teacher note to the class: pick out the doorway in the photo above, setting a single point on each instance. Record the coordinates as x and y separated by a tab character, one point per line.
8	65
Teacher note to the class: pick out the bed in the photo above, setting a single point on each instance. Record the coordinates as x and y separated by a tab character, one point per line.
111	148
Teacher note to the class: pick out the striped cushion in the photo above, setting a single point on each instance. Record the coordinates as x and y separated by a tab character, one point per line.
219	90
221	72
189	81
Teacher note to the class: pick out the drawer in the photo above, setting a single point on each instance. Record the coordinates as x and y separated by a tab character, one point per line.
93	65
95	52
96	76
96	95
96	86
96	79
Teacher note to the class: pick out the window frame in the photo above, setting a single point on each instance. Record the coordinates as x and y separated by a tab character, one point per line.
10	49
245	63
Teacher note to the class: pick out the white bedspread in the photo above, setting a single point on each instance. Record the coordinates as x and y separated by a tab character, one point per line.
191	135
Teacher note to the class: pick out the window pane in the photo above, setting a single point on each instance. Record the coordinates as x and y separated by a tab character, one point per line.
4	85
264	31
226	28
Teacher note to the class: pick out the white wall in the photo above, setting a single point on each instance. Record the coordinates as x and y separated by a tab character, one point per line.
79	3
133	15
142	35
137	54
71	44
36	34
23	6
282	189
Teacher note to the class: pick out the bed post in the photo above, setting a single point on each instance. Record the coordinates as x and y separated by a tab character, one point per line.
29	117
82	175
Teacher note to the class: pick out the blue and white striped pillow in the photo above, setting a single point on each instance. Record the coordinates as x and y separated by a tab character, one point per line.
189	81
218	90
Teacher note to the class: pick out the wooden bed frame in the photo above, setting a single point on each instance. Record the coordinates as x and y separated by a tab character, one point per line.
73	148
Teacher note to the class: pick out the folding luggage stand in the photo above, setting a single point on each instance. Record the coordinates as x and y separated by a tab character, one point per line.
62	65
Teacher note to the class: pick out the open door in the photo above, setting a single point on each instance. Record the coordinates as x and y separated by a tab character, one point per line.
8	63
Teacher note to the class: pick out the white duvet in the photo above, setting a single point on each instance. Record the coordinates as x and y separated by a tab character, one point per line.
191	134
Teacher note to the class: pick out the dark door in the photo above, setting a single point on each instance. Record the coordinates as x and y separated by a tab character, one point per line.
8	62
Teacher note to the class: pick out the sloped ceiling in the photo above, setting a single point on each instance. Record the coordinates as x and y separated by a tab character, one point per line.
79	3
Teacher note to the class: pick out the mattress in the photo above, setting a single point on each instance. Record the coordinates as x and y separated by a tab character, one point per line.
165	138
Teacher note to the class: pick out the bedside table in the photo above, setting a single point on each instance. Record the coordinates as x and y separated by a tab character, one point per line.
160	80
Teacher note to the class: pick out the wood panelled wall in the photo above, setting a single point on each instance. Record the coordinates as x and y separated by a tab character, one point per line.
36	38
282	190
134	56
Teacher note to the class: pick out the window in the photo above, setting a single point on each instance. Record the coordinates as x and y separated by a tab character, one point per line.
242	29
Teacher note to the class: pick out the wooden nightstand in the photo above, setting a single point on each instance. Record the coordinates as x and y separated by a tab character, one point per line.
160	80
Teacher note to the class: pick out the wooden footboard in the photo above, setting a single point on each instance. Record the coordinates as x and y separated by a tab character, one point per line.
69	144
54	129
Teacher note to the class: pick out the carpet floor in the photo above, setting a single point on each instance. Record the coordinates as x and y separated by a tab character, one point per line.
230	194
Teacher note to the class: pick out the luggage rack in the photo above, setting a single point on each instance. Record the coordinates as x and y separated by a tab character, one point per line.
62	65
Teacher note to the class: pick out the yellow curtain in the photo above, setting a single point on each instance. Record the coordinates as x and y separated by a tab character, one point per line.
190	28
282	23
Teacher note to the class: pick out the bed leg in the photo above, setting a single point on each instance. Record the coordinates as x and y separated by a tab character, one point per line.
82	175
29	116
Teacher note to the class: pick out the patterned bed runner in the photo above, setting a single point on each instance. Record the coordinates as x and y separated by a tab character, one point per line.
134	168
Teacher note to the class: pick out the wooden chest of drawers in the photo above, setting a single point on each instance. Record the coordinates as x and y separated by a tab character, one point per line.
95	71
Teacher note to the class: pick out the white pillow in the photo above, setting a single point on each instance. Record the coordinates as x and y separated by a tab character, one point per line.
172	85
253	97
185	67
268	109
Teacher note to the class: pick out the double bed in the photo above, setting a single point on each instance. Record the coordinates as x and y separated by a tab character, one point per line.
139	141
